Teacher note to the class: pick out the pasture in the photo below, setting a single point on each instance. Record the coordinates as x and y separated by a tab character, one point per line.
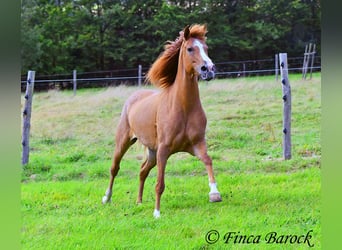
72	140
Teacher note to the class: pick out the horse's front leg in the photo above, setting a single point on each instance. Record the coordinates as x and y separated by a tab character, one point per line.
200	150
162	155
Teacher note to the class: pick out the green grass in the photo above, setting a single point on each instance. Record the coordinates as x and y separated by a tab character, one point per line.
72	145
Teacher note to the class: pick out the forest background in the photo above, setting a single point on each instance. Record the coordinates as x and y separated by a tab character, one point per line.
59	36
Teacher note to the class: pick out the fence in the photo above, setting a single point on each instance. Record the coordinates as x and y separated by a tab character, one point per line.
88	79
242	68
286	90
27	118
136	76
309	57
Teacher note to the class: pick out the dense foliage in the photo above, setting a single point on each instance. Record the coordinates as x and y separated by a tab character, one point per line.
91	35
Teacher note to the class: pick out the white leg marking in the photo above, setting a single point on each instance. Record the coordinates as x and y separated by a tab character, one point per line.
107	197
156	213
214	194
104	199
213	188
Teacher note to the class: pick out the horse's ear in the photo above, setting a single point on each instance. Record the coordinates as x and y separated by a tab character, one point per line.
205	27
187	32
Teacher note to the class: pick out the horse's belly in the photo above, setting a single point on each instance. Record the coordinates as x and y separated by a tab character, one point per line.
146	136
142	121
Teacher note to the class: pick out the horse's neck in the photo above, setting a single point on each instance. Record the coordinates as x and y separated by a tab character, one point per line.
186	91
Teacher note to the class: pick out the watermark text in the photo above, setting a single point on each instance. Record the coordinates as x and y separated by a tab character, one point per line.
236	237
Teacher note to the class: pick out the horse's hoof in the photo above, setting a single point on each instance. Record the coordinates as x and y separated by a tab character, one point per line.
215	197
105	199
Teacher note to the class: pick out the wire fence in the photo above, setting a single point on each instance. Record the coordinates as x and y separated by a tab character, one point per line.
134	76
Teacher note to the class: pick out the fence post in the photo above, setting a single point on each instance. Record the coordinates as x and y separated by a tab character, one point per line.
304	62
286	90
276	66
139	75
74	80
312	59
27	117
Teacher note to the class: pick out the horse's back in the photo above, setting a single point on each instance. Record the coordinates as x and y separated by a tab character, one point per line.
138	96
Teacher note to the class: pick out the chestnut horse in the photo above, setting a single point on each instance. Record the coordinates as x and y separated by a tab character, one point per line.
170	120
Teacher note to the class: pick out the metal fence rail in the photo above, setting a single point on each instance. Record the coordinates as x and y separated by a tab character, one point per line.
134	76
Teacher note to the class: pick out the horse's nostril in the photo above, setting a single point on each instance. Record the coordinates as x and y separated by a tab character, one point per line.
204	68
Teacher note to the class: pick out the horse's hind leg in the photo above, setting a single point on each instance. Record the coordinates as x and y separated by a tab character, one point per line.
144	171
123	142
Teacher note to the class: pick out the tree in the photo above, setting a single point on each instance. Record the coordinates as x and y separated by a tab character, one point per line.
87	35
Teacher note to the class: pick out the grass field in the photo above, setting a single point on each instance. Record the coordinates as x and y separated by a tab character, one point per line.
72	140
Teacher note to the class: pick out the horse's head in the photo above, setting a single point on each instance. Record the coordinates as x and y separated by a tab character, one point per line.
195	53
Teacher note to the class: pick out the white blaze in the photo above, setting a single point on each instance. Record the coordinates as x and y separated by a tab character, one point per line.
203	54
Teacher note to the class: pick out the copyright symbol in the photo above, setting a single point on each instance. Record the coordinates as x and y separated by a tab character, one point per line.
212	236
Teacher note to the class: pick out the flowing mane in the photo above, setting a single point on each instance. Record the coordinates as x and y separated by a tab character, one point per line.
164	70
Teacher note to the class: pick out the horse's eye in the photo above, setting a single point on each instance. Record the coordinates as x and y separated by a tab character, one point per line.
190	49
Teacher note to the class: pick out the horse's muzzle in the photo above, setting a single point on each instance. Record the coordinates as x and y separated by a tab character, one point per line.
207	74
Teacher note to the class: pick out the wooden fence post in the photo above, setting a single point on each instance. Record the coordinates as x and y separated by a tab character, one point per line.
286	89
312	59
27	117
74	80
276	66
139	75
309	54
305	62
